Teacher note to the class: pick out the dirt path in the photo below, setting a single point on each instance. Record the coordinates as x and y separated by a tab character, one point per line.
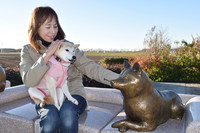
12	60
9	60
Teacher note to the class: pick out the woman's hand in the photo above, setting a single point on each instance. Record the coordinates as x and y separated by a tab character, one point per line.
51	50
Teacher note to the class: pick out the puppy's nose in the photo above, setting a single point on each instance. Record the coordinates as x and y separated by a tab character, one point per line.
73	57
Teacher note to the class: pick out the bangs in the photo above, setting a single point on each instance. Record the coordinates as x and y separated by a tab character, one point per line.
47	14
50	17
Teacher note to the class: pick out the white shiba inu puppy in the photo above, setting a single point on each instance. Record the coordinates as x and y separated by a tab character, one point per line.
53	87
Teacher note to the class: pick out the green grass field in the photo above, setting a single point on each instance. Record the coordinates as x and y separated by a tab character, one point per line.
119	54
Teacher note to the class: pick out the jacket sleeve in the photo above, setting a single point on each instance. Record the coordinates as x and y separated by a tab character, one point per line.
93	70
31	72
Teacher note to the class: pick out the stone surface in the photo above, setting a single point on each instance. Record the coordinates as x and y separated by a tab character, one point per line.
192	115
15	124
96	118
17	114
99	115
186	97
27	109
13	93
181	88
107	95
15	104
8	84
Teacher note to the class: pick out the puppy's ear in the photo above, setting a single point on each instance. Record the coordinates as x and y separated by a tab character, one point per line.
76	46
137	67
126	64
61	45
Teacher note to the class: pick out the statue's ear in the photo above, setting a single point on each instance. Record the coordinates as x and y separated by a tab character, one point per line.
126	64
137	67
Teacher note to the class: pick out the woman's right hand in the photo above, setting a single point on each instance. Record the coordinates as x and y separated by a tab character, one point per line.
51	50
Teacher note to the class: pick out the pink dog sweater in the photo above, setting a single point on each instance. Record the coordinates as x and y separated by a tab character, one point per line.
57	71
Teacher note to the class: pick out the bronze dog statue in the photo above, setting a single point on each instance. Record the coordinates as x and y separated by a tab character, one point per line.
145	107
2	79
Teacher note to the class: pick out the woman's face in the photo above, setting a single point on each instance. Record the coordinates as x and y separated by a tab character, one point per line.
48	30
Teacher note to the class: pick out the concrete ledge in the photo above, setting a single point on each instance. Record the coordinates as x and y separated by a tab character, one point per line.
8	84
186	97
181	88
13	93
95	119
106	95
192	115
15	124
104	105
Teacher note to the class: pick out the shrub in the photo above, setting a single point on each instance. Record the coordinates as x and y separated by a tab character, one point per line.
13	75
93	83
183	66
111	61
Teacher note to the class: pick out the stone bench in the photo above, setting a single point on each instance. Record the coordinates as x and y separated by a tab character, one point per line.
18	115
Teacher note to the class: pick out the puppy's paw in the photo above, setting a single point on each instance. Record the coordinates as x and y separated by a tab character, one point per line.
74	101
58	107
42	104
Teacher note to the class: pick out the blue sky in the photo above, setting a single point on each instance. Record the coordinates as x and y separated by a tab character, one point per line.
105	24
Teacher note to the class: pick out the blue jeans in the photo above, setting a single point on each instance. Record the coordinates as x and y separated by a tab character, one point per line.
65	121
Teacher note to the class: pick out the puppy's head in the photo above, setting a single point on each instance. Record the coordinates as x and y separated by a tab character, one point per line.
66	51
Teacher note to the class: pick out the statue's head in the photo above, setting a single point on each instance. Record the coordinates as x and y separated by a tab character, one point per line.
132	78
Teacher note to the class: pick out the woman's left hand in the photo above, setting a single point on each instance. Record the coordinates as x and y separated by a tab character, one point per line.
51	50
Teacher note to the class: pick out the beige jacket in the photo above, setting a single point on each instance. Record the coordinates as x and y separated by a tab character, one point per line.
33	68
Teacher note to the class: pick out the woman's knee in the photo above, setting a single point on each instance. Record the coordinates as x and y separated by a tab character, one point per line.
69	117
68	110
69	122
49	128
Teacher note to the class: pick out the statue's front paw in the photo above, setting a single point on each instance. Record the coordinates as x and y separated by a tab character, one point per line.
121	126
118	124
122	129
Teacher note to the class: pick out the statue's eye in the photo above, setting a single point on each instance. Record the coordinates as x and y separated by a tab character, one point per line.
67	50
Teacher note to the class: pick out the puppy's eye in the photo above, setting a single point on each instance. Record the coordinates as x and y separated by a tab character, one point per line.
67	50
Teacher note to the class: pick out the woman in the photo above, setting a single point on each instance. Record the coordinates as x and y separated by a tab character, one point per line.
45	35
